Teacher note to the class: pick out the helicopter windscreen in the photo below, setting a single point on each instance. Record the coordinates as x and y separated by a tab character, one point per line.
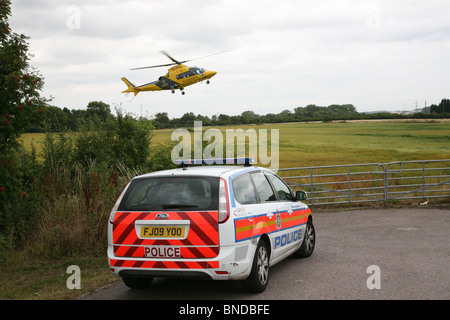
192	72
196	70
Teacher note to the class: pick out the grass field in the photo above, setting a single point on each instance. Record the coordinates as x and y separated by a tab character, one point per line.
317	144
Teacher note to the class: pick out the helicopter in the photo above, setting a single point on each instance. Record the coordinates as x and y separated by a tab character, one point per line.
177	77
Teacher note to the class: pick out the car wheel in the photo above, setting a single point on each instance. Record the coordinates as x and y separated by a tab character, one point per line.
137	283
259	276
309	242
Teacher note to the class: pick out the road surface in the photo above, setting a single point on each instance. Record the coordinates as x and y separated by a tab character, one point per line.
399	253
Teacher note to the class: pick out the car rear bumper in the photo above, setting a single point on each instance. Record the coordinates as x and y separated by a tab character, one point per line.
232	263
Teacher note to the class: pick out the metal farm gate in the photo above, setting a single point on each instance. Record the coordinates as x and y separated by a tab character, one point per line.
371	181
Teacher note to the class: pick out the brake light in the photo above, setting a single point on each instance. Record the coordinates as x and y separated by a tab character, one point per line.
116	205
224	208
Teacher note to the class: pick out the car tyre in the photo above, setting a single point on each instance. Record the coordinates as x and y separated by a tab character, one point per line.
137	283
259	276
309	242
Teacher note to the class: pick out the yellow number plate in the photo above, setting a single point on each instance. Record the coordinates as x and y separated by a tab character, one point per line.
162	232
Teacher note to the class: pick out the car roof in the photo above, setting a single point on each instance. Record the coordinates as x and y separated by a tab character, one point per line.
212	171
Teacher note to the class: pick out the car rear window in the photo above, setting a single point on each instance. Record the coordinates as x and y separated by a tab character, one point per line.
243	189
171	193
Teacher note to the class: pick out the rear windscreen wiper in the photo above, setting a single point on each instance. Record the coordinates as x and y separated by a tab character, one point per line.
171	206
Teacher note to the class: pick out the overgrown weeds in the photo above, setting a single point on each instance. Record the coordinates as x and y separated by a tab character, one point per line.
65	194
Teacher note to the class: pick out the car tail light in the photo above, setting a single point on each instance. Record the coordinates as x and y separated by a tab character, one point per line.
222	272
224	208
116	205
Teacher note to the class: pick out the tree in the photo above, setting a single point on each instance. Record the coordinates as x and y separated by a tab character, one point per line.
444	106
20	102
54	120
187	119
20	108
223	119
98	110
162	120
249	117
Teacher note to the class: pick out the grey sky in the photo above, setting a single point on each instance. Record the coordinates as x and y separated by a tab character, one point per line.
280	54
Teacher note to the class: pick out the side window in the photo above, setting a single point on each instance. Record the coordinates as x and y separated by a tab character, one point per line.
243	190
263	187
284	193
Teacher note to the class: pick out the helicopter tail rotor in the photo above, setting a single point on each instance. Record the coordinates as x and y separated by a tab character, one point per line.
131	87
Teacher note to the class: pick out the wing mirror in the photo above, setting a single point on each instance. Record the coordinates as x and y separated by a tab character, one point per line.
301	195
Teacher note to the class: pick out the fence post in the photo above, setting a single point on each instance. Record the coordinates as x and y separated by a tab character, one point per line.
312	186
386	187
423	180
349	187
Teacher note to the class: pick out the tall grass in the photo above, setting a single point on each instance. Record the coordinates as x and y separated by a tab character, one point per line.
76	207
67	189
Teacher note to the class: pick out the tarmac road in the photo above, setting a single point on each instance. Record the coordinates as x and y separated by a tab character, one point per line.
410	248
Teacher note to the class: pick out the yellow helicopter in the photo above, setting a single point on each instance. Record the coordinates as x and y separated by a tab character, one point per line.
177	77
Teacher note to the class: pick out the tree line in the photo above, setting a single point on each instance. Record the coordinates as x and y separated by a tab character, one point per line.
55	119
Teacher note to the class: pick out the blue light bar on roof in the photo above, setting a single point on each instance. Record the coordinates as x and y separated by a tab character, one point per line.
190	162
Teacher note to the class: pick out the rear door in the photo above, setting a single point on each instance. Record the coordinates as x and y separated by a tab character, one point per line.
245	207
168	218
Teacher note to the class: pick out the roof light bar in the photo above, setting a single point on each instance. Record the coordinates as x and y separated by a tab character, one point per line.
191	162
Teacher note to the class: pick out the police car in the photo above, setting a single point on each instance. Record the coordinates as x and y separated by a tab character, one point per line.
209	222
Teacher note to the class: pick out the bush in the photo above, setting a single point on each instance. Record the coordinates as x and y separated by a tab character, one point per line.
83	173
63	200
20	107
124	140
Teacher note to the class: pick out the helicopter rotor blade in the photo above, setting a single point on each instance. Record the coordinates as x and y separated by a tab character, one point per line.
171	58
157	66
180	62
175	61
209	55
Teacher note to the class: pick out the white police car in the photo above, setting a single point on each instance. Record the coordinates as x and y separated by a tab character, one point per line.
212	222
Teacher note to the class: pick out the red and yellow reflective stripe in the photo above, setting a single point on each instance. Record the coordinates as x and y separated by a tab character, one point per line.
193	252
201	242
164	264
248	227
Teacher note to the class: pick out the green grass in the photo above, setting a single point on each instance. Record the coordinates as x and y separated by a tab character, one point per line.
25	277
317	144
351	143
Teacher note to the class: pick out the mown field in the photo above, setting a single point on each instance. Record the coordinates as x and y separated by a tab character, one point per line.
317	144
26	276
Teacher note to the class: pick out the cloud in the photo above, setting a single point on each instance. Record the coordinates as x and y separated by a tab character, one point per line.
281	54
